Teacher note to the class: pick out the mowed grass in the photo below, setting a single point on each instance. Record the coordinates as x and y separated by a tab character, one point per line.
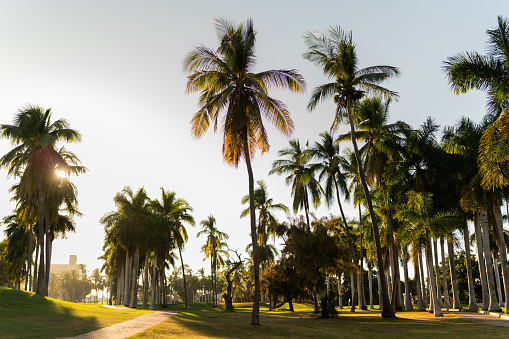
28	315
203	321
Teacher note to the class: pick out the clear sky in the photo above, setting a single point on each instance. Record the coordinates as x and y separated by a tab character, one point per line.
113	69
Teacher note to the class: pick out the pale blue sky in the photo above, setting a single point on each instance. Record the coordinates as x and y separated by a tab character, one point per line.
113	69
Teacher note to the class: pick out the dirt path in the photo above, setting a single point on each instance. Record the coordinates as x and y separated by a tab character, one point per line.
482	318
130	327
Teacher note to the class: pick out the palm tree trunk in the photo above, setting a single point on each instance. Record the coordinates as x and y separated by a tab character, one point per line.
395	302
255	315
34	278
494	305
380	299
480	260
184	277
340	291
408	303
145	281
127	280
447	299
370	282
347	228
423	282
497	277
154	273
387	311
41	277
134	285
417	277
437	271
352	290
120	285
29	258
454	283
502	251
437	311
212	276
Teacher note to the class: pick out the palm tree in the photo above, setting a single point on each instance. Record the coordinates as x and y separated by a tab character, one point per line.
470	70
266	219
227	84
335	53
300	176
213	248
34	159
174	213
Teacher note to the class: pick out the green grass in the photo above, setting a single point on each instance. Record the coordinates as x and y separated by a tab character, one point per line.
28	315
203	321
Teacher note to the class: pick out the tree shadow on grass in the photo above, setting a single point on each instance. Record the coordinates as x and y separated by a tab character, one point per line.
29	315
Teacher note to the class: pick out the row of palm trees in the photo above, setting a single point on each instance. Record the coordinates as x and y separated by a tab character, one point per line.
404	168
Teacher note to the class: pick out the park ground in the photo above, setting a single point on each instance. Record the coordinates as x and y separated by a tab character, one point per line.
26	315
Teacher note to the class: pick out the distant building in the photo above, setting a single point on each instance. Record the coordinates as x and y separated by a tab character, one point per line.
61	268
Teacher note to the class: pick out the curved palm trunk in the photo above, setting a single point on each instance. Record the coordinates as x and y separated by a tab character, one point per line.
480	260
502	251
447	299
134	286
494	305
184	277
437	311
454	283
255	315
387	311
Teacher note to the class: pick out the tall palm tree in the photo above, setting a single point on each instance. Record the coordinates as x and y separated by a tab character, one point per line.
213	248
228	84
295	163
34	160
335	53
175	212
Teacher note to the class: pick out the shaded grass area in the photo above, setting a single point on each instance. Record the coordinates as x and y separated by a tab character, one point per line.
29	315
203	321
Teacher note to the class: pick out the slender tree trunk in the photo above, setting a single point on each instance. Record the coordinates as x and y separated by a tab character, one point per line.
497	277
494	305
48	256
184	277
154	274
29	258
502	251
212	276
454	282
480	260
134	284
340	291
387	311
447	299
255	315
437	272
423	282
145	281
380	299
437	311
352	290
34	278
362	297
408	303
347	228
417	276
370	282
120	285
41	276
127	280
396	285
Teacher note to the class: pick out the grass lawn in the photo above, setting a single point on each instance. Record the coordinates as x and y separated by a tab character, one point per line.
203	321
28	315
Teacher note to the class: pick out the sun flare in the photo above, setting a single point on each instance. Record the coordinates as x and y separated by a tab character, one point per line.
61	174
